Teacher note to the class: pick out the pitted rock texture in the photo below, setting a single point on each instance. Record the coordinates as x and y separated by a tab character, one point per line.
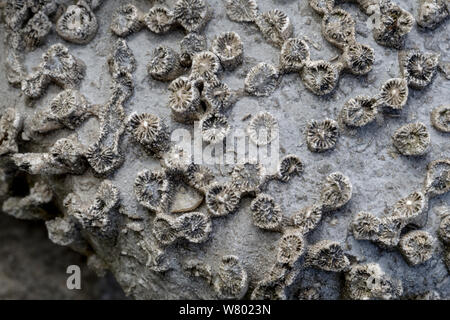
378	173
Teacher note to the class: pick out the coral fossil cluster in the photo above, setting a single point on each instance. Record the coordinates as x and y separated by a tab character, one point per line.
98	225
319	76
416	246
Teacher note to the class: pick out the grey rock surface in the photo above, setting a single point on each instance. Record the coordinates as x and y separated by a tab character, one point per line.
379	174
34	268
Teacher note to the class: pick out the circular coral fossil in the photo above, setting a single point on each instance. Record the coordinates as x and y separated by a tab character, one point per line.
69	107
221	199
444	229
275	26
328	255
322	135
152	190
263	128
393	25
194	226
192	15
418	68
437	180
149	130
205	66
247	177
290	248
164	230
320	77
338	28
126	20
121	60
290	165
412	139
359	111
229	48
440	118
336	191
78	24
232	280
217	96
199	177
159	20
191	44
101	158
307	218
164	64
358	58
432	13
417	247
262	80
242	10
394	93
97	215
214	127
177	160
322	6
368	281
294	55
36	30
389	231
266	213
410	207
62	67
365	226
184	100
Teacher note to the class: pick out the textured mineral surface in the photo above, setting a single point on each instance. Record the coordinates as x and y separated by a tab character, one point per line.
357	206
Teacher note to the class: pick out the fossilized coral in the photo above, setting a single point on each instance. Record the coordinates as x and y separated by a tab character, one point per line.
150	131
322	136
294	55
229	49
327	255
152	190
262	80
393	25
10	126
289	165
418	68
232	279
266	212
126	20
440	118
290	247
320	77
307	218
214	127
194	226
164	64
417	247
437	180
368	281
394	93
359	111
159	19
412	139
192	15
242	10
77	24
336	191
263	128
275	26
338	27
432	13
